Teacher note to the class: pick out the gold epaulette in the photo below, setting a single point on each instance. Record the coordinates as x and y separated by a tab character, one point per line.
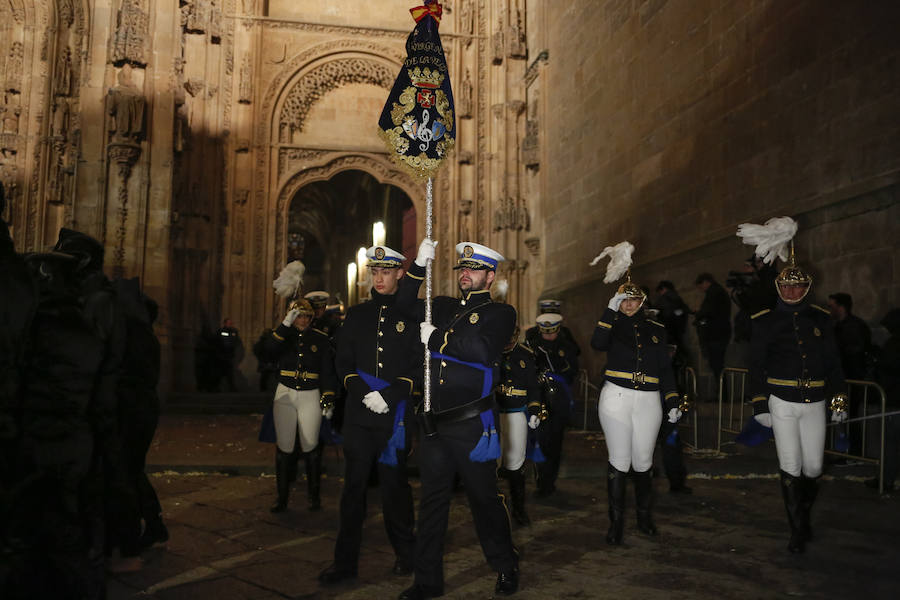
320	331
526	348
761	313
656	323
824	310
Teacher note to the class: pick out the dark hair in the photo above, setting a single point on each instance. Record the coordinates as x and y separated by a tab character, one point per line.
704	277
665	285
842	299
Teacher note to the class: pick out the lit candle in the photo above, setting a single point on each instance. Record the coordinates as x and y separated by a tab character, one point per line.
362	275
378	234
351	282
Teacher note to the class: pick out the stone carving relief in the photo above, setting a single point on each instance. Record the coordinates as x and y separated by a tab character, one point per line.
465	97
63	73
125	109
202	17
511	215
531	152
516	41
245	88
464	157
466	18
534	245
497	49
292	159
14	68
241	195
249	6
130	39
318	82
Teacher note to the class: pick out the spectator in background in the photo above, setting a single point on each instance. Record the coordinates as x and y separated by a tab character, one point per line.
713	322
229	350
673	312
887	374
854	338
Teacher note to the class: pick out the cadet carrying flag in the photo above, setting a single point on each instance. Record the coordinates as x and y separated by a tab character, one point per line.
417	122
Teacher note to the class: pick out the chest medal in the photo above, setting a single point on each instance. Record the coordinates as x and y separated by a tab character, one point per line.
816	331
400	326
473	318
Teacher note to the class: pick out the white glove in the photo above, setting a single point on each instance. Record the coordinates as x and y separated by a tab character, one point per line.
328	412
534	421
426	252
290	317
375	402
764	419
425	331
674	414
839	416
615	301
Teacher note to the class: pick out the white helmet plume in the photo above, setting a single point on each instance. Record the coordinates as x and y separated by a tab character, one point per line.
288	283
771	240
501	289
619	260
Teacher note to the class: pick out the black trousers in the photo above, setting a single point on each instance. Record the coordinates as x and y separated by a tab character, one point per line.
362	447
550	437
440	457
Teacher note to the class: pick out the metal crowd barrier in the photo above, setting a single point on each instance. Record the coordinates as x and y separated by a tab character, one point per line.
688	385
587	391
733	390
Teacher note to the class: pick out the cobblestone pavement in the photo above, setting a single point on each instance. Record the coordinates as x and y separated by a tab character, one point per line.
726	540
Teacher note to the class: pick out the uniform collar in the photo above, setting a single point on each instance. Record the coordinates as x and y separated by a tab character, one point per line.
782	305
475	297
382	298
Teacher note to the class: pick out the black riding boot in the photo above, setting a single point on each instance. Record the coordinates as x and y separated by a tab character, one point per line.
313	477
517	495
282	479
792	492
643	488
615	488
810	488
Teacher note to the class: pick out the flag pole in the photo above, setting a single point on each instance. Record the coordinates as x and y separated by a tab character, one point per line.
429	204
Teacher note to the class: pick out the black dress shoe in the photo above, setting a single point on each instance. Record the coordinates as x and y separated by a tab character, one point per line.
507	583
336	574
419	592
402	567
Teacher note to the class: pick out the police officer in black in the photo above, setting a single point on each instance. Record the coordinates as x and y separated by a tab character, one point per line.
557	362
519	399
321	320
378	358
466	340
305	381
795	367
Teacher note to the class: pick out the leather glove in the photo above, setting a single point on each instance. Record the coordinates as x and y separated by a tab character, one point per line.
534	421
674	414
616	301
425	331
328	412
426	252
764	419
375	402
839	416
290	317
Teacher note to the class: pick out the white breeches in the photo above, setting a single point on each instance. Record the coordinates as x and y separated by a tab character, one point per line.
799	436
630	421
293	408
513	438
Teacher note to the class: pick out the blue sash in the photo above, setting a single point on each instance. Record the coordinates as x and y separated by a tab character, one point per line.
488	446
565	387
533	448
487	384
398	437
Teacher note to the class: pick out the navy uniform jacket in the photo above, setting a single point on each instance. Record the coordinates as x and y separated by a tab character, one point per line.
472	329
305	360
559	356
793	355
518	387
533	337
378	339
637	356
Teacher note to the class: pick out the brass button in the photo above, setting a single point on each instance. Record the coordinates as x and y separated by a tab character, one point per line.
381	320
441	381
640	345
451	330
380	366
639	359
800	341
802	356
443	364
380	333
299	355
380	349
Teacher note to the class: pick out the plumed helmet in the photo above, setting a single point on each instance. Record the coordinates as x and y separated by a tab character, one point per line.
793	276
303	306
86	250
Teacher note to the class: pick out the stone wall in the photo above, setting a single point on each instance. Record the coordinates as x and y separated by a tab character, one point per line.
669	123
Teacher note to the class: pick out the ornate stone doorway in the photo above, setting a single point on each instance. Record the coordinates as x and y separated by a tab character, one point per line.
328	221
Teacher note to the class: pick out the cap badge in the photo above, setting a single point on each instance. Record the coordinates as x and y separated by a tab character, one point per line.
816	331
522	364
562	353
400	326
379	253
473	318
468	251
655	339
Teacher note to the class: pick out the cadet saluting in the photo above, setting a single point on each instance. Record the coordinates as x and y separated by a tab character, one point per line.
465	341
305	366
794	367
639	381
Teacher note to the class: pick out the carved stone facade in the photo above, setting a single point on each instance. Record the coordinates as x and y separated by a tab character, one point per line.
179	133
